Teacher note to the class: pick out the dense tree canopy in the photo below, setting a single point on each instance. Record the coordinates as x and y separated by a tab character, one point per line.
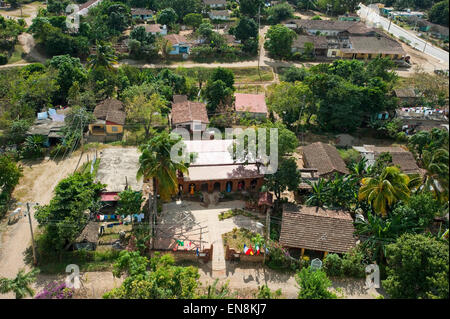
417	267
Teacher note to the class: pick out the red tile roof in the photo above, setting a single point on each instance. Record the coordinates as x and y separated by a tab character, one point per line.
253	103
187	111
176	38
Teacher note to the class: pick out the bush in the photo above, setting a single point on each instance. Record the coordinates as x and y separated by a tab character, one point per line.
401	137
353	264
333	265
313	284
3	59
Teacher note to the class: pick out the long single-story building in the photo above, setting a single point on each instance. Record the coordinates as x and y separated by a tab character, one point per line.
317	229
214	169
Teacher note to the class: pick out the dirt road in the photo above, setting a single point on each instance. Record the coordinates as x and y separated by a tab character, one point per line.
35	186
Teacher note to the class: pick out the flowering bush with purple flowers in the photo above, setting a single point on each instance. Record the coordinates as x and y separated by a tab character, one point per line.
56	290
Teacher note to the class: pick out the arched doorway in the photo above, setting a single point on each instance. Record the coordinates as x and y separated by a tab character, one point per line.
253	184
204	187
192	189
241	185
217	187
229	186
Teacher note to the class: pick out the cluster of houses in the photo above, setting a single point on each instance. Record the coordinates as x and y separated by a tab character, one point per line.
343	38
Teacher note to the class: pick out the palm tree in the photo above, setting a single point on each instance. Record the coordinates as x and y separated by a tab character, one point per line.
19	285
156	162
384	190
436	176
359	169
104	57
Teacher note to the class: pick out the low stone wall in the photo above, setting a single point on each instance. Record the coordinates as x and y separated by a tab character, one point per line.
232	255
191	255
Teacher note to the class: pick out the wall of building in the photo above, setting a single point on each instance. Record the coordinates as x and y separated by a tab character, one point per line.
110	130
223	184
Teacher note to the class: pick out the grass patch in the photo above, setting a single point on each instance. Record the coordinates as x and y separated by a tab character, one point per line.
237	238
349	155
250	89
241	75
16	56
86	167
100	260
250	74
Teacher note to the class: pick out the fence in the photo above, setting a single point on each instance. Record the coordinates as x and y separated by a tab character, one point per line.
232	255
190	255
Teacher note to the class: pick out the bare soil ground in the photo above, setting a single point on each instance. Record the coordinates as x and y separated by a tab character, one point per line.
36	186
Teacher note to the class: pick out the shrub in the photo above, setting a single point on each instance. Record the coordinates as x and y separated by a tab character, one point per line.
333	265
313	284
352	264
3	59
55	290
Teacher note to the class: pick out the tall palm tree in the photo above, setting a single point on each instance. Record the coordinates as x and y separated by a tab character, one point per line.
103	57
155	162
19	285
436	177
384	190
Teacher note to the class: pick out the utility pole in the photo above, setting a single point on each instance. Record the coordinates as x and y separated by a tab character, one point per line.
259	26
32	235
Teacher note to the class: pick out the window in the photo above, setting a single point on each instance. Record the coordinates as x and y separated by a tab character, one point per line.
115	129
197	126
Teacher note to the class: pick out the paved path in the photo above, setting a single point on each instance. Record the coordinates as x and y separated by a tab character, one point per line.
370	15
208	217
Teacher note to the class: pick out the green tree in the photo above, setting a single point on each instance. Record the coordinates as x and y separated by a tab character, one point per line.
10	174
224	75
129	202
147	111
291	101
193	19
103	57
250	7
63	218
245	29
313	284
293	74
156	163
286	177
158	278
17	130
69	70
280	12
439	13
218	94
385	189
279	41
20	285
436	177
167	16
417	268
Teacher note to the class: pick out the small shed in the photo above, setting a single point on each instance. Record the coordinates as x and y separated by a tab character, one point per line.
317	229
88	237
325	158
